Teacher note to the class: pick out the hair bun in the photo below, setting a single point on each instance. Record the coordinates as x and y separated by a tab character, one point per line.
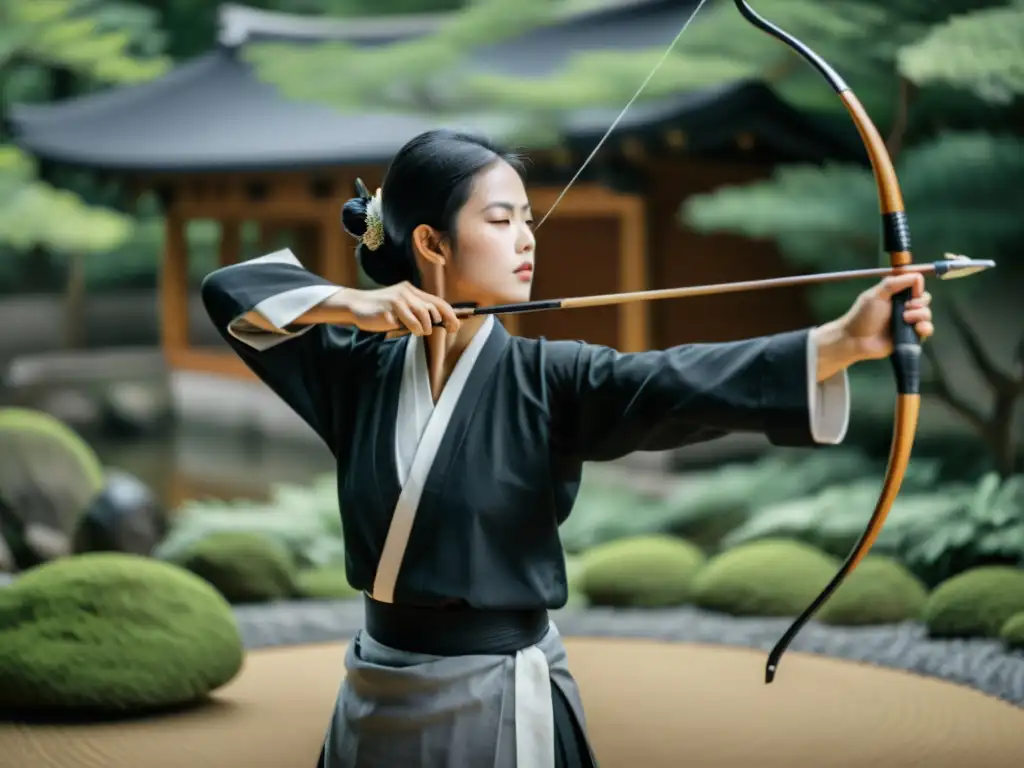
353	216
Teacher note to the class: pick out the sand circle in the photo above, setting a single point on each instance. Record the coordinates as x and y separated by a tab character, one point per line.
659	705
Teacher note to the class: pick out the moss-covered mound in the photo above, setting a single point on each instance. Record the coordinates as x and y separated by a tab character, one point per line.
113	633
325	583
1012	633
975	603
773	577
879	591
244	567
640	571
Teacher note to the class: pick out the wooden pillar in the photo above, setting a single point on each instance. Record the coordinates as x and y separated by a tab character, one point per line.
230	247
634	318
336	260
306	238
174	286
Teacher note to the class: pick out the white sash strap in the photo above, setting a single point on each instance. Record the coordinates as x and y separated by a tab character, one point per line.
535	718
409	500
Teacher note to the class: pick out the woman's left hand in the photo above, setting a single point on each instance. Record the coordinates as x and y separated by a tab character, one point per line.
864	332
867	324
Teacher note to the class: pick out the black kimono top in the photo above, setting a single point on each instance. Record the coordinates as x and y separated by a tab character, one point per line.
462	500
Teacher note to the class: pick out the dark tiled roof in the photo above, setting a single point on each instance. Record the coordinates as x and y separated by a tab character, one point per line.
212	113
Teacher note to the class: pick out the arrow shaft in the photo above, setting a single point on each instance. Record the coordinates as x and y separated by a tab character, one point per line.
944	269
686	292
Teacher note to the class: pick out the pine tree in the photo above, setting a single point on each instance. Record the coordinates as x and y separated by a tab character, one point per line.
963	189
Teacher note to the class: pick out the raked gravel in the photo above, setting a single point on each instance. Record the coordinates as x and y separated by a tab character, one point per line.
981	664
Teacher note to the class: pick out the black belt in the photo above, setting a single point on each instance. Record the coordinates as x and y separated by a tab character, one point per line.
454	630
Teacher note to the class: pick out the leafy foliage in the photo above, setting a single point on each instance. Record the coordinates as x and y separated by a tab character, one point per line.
410	74
987	528
600	514
936	534
704	506
113	633
980	51
35	214
962	192
977	603
304	521
98	43
76	35
708	505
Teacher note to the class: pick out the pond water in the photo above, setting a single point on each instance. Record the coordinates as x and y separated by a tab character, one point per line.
191	462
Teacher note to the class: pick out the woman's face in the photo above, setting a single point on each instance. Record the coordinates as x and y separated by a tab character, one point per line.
494	257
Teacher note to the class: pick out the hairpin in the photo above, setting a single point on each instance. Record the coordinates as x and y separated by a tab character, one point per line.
373	237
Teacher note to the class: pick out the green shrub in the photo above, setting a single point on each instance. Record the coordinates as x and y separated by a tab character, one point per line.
879	591
113	633
1012	633
977	603
329	582
243	567
647	571
986	528
304	520
774	577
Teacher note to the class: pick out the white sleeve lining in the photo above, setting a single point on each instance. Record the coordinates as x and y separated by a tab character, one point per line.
280	310
829	402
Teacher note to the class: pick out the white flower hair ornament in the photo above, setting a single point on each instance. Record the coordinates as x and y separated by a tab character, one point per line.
373	237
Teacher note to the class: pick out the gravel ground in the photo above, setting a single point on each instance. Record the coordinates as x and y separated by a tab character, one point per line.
980	664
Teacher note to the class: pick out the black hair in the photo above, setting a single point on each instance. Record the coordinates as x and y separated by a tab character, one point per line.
428	182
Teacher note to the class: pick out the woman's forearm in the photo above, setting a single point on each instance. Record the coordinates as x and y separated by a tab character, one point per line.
836	350
337	305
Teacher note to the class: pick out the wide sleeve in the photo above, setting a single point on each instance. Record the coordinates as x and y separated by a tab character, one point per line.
605	404
309	366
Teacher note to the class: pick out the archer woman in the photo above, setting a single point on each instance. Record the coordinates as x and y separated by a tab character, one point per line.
459	448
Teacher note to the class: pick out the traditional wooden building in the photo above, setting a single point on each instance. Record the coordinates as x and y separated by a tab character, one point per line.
218	143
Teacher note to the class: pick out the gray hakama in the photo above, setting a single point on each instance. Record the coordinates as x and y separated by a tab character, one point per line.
451	511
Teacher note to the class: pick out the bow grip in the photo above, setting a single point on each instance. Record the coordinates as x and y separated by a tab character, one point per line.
906	351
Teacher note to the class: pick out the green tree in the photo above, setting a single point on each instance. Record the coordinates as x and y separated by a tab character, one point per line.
47	40
962	186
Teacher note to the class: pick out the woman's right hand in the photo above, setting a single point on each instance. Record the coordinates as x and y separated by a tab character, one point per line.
400	305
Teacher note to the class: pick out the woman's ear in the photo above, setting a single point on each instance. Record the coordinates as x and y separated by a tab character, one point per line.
430	245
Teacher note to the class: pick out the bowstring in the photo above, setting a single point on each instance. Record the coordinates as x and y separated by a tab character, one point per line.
625	109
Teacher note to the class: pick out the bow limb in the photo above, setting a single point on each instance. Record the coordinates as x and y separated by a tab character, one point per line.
906	356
